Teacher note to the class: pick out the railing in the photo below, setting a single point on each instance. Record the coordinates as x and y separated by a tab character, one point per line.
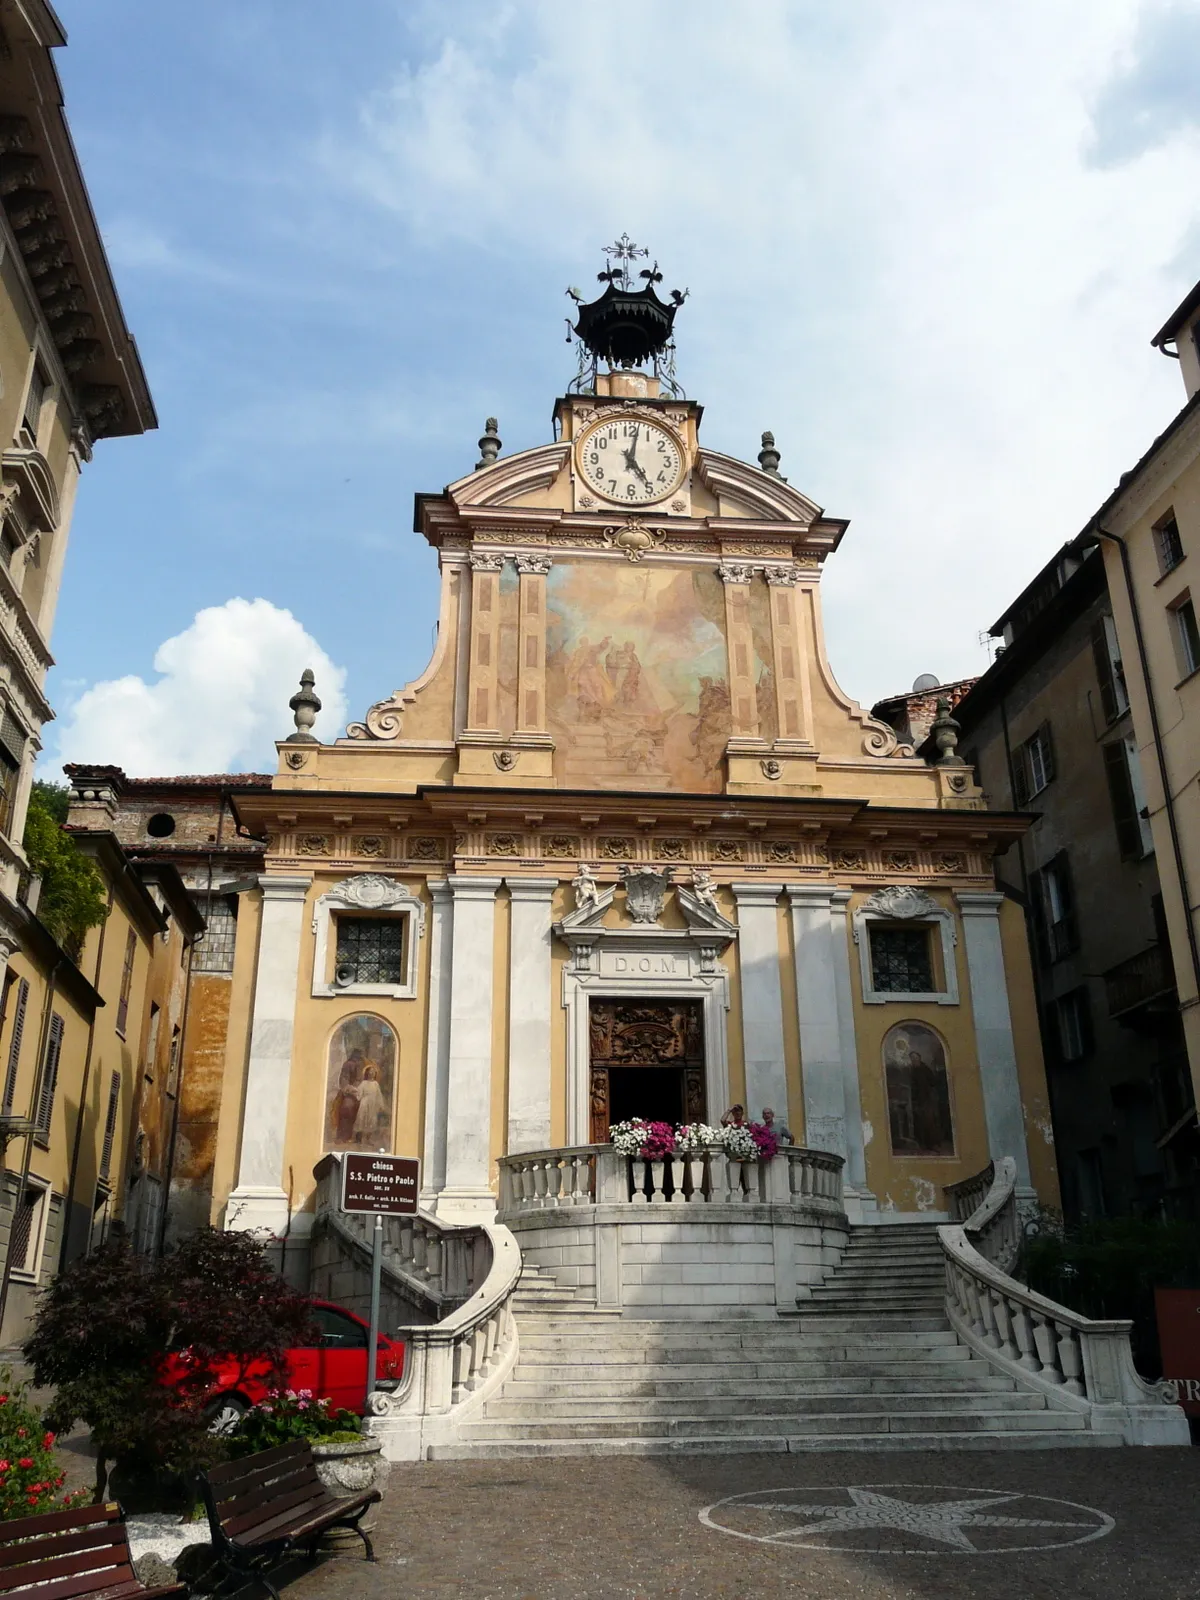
1084	1365
541	1180
986	1208
468	1273
1146	976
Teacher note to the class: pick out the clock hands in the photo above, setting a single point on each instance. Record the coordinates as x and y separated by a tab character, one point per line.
631	460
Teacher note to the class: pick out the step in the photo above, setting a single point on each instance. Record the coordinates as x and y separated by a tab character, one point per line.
928	1420
682	1389
536	1408
958	1365
827	1318
689	1347
513	1450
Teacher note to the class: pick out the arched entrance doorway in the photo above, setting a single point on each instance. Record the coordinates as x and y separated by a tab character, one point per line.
646	1060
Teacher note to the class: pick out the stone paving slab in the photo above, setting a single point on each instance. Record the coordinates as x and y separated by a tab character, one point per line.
628	1528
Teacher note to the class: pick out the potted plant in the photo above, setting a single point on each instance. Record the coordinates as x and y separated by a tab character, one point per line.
347	1459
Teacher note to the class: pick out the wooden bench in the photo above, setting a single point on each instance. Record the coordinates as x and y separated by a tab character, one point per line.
72	1554
265	1507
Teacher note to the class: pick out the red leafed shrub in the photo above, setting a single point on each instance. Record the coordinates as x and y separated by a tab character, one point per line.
30	1480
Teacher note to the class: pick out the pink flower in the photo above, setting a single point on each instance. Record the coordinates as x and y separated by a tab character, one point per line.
303	1406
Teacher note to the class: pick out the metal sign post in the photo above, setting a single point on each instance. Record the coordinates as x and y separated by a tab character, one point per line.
385	1186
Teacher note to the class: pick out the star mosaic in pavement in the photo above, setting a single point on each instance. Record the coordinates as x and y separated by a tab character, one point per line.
906	1519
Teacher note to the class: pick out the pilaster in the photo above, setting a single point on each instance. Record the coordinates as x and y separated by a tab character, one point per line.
437	1049
823	1053
793	697
743	700
762	997
467	1191
529	1002
485	641
531	644
260	1200
994	1042
855	1174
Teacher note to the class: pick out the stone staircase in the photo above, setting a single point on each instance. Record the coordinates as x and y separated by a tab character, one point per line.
870	1363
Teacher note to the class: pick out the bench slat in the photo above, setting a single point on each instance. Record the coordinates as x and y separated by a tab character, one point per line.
112	1580
250	1466
302	1522
263	1490
97	1537
39	1568
50	1521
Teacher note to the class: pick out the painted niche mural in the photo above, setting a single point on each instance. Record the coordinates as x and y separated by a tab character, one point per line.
636	676
360	1084
918	1091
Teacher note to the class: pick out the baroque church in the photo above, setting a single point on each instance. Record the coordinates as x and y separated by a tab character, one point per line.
625	849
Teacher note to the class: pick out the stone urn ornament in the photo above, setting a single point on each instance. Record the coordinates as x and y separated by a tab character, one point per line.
348	1467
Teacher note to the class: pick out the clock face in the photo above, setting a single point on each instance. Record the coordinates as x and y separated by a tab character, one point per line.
630	460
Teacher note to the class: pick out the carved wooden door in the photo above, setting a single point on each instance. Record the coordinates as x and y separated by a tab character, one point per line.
645	1033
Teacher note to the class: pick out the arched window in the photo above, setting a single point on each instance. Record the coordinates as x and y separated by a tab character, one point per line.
360	1085
920	1122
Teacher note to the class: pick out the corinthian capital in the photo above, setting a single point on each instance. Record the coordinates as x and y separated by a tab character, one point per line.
735	572
539	566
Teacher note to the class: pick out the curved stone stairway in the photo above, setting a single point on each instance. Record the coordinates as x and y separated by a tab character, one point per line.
869	1363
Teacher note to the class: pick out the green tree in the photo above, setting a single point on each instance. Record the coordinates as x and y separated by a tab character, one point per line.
73	894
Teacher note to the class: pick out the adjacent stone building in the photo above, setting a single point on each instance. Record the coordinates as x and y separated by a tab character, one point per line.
70	377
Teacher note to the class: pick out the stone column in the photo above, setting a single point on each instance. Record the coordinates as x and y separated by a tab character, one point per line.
485	640
762	998
822	1053
792	698
743	699
994	1043
855	1174
467	1191
531	643
437	1049
529	1006
260	1200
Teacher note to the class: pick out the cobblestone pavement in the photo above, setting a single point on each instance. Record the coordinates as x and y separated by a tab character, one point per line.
608	1529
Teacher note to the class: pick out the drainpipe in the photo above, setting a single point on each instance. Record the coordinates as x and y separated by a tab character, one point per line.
1160	755
27	1152
76	1148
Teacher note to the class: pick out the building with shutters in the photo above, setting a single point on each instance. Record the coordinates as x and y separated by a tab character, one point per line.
70	377
1050	730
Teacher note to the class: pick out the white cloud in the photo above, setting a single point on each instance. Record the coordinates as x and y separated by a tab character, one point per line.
904	257
220	700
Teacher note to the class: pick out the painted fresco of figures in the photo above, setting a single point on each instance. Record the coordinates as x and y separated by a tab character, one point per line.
360	1085
918	1091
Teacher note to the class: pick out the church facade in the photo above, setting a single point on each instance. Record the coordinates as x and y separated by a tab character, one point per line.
624	848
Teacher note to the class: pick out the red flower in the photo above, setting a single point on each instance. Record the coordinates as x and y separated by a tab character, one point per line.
3	1466
25	1461
47	1441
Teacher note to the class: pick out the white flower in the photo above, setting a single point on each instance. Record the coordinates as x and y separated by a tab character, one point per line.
740	1145
698	1136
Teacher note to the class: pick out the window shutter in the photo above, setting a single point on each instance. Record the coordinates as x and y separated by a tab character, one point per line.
1124	807
45	1107
1104	673
12	737
1020	777
1069	927
1047	744
14	1046
110	1125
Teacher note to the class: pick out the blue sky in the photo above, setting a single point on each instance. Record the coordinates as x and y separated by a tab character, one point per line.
926	245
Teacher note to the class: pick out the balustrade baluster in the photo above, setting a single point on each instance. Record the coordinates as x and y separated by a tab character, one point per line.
1047	1347
433	1255
1023	1329
1070	1358
657	1197
639	1169
554	1181
1003	1315
415	1248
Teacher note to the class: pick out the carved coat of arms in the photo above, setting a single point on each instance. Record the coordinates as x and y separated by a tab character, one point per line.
645	891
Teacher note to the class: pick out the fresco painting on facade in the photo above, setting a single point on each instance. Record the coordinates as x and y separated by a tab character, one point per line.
360	1084
636	674
918	1091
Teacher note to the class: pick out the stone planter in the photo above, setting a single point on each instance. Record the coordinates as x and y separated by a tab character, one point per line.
349	1468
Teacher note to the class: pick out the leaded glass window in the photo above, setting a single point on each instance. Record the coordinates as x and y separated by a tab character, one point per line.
370	950
901	962
214	949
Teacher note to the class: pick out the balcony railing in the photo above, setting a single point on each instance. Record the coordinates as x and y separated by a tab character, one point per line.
1145	977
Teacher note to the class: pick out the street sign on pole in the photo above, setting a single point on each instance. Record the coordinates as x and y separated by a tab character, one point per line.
386	1186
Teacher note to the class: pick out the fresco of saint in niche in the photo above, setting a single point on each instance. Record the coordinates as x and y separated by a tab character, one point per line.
918	1091
360	1084
636	676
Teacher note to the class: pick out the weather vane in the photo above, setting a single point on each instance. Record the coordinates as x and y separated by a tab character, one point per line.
621	257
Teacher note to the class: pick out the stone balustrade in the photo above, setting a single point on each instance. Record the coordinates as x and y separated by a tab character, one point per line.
550	1180
1080	1364
964	1197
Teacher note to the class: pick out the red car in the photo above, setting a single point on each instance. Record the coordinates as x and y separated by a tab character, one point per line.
334	1370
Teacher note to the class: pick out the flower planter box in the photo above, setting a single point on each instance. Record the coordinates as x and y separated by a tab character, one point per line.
349	1468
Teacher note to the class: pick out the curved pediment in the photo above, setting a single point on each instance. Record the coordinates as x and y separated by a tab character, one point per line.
756	493
508	481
